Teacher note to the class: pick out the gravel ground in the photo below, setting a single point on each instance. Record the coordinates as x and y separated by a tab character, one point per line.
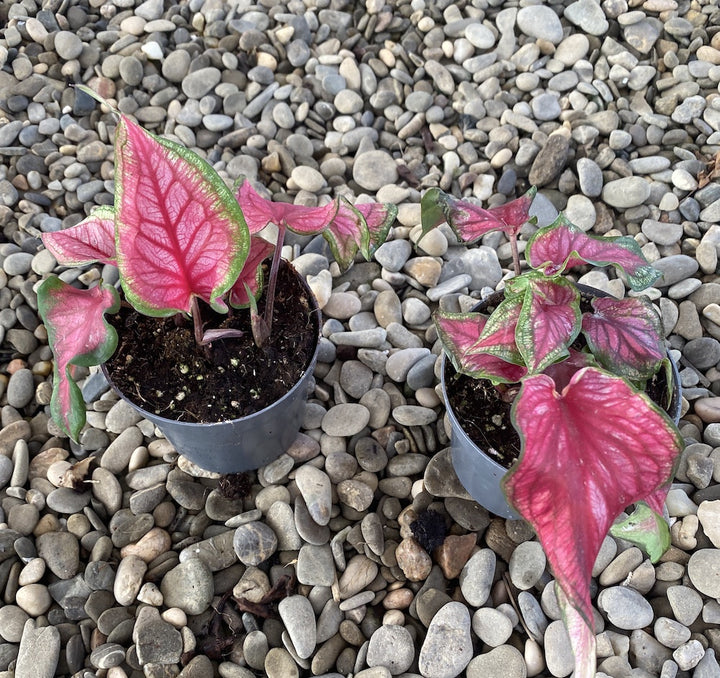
611	108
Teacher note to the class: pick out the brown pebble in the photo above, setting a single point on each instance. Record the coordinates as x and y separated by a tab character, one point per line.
399	599
454	552
41	462
149	546
15	365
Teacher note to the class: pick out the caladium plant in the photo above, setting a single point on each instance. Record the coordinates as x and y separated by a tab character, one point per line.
592	441
179	237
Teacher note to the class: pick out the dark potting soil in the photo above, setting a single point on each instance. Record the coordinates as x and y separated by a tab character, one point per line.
483	410
161	368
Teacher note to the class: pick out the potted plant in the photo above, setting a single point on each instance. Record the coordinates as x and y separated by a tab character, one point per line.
222	386
568	372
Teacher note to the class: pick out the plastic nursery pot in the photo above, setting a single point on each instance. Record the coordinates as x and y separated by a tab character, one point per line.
479	473
245	443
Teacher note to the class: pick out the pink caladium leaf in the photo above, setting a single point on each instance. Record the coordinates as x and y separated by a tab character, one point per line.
470	221
459	333
360	227
259	212
498	336
78	334
378	219
562	372
180	231
250	280
625	336
347	233
562	245
574	475
549	320
644	528
90	241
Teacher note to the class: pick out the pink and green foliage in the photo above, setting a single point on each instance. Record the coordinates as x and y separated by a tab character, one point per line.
562	245
592	442
179	236
347	228
250	280
180	232
549	320
646	528
470	221
78	334
625	336
575	476
259	212
459	333
93	239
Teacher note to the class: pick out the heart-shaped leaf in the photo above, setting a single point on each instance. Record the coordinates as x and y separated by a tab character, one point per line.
358	227
459	333
93	239
575	475
250	280
625	336
498	335
562	245
378	219
259	212
470	221
549	320
78	334
346	234
180	231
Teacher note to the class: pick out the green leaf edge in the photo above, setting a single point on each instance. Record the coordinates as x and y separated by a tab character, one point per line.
654	544
75	416
642	279
229	206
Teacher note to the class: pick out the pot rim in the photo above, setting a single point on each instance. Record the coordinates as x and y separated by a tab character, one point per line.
314	308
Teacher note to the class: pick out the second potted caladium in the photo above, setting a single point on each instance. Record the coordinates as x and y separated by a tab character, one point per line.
570	370
189	253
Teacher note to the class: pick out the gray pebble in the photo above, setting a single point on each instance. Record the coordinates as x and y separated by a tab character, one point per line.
391	646
315	565
375	169
491	626
447	648
68	45
704	571
527	565
188	586
345	419
254	543
505	661
61	552
39	651
297	614
20	388
315	487
625	607
477	577
558	653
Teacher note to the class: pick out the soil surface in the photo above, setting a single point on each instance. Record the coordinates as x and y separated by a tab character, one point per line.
483	410
160	367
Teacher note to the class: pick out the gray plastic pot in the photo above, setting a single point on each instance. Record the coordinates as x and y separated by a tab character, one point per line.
479	474
239	444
